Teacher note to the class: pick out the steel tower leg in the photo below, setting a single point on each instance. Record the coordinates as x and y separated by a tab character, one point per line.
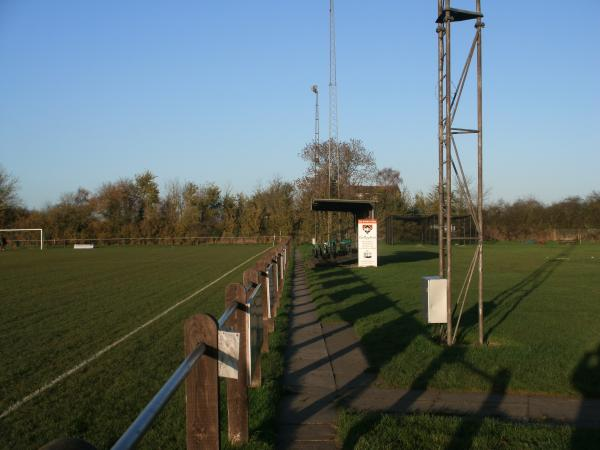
448	193
449	161
479	26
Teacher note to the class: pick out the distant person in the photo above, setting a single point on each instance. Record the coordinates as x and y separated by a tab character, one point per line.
2	243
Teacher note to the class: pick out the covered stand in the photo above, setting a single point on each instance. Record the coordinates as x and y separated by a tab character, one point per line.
360	209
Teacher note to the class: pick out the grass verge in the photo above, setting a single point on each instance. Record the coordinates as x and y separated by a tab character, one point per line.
363	431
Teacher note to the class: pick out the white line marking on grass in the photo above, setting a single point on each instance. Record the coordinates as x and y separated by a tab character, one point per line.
96	355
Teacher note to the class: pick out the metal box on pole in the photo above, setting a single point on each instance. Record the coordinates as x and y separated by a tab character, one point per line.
433	294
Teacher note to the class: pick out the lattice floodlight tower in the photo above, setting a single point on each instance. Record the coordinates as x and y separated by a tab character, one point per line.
334	172
315	90
450	159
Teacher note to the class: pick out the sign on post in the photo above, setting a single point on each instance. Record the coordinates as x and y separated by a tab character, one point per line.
229	354
367	243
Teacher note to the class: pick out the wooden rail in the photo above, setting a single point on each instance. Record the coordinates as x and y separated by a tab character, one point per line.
251	307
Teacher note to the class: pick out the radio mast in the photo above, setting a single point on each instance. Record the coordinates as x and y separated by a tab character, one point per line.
333	148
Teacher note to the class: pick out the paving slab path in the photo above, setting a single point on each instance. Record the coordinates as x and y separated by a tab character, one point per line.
326	369
307	410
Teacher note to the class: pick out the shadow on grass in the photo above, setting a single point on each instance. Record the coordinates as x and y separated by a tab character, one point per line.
498	309
386	341
406	256
465	434
389	339
469	427
586	376
586	379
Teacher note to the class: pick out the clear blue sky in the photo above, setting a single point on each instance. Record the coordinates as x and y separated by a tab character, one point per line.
220	91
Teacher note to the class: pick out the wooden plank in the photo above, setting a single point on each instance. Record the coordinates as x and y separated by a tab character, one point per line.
281	272
276	283
202	385
237	390
261	268
251	278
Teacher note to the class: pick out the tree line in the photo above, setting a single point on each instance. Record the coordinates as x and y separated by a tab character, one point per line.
136	207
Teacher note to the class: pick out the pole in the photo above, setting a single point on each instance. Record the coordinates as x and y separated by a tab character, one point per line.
479	26
440	31
448	137
315	89
237	390
333	131
202	384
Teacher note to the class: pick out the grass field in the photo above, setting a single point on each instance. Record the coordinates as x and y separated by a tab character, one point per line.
542	304
59	307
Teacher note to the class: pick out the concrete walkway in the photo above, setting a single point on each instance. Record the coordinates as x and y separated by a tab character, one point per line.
326	369
307	411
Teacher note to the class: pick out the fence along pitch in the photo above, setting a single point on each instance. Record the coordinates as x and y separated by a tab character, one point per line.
200	367
237	390
255	326
202	384
266	321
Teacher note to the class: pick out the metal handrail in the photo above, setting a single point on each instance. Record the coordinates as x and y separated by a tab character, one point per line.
229	311
144	420
226	315
253	295
266	271
141	424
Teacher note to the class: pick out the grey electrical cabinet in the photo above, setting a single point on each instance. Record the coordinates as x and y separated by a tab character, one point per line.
433	294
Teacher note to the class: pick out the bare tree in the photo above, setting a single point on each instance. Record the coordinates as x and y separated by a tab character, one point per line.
9	201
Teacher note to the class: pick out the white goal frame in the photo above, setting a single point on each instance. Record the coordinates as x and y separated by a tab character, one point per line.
27	229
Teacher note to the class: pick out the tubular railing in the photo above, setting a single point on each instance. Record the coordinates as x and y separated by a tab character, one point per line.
229	347
143	422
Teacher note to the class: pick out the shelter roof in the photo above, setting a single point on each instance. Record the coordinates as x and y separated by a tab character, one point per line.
360	208
458	15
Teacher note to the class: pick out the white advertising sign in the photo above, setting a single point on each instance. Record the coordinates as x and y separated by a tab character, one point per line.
367	243
229	354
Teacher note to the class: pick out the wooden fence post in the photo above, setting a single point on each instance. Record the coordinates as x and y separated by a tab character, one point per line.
237	390
288	247
250	281
202	384
276	284
272	292
281	270
263	279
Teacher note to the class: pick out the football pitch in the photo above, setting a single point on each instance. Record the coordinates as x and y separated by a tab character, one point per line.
87	337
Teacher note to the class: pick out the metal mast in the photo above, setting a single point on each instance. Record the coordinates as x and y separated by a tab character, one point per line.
333	120
332	147
315	89
450	160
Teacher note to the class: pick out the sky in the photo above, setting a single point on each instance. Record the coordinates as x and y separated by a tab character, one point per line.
219	91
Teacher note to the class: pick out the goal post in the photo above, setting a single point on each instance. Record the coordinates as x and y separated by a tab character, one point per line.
17	230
